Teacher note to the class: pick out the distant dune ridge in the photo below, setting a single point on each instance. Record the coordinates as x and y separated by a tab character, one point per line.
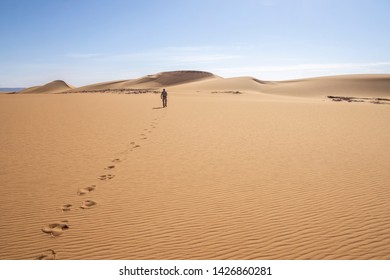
377	85
163	79
373	85
57	86
368	85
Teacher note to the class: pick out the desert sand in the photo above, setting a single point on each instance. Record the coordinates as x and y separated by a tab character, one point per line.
234	168
57	86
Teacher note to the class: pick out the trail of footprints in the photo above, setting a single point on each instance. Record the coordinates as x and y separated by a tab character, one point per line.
58	228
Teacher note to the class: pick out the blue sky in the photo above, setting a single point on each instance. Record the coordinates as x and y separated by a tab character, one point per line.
89	41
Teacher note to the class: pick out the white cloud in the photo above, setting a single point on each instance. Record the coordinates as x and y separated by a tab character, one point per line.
84	55
169	56
304	70
319	66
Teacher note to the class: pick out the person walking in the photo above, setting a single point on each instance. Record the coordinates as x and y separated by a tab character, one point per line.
164	97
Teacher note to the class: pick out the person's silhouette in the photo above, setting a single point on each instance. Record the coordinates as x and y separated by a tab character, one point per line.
164	97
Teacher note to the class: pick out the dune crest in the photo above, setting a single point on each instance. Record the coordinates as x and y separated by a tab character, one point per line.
57	86
155	81
175	78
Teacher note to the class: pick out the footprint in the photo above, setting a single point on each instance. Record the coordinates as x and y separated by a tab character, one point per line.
116	160
47	255
86	190
134	145
66	207
106	177
56	229
110	167
88	204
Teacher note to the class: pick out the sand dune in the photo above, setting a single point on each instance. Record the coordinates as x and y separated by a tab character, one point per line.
271	173
163	79
34	89
371	86
224	85
57	86
343	85
166	79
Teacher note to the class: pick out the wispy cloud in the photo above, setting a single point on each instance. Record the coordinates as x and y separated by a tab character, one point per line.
319	66
169	55
84	55
326	66
227	61
201	58
96	67
305	70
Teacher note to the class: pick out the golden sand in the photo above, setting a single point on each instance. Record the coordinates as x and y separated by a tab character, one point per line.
232	169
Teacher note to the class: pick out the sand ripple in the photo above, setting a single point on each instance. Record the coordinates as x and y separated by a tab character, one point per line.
216	178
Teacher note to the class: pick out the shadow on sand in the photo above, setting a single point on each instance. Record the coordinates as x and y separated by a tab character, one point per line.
155	108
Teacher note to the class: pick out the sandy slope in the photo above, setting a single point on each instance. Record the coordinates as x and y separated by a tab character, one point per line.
345	85
213	176
159	80
57	86
222	85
